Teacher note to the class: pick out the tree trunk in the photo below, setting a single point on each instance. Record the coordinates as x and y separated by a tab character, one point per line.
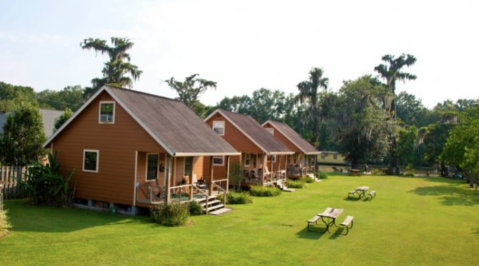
354	164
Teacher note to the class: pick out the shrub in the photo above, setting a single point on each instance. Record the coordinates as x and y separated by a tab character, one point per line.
307	179
376	172
410	170
321	175
172	214
44	184
239	198
4	224
260	191
296	183
195	208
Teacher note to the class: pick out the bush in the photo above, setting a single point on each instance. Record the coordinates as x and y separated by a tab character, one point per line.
410	170
4	224
195	208
321	175
172	214
45	184
296	183
307	179
239	198
376	172
261	191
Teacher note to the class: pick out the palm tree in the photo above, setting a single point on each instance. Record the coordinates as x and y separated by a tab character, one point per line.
309	95
391	71
116	69
190	89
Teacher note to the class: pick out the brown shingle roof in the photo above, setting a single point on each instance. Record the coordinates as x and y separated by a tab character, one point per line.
294	137
170	122
254	131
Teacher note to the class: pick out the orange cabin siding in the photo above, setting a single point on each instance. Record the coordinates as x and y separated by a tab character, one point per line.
117	145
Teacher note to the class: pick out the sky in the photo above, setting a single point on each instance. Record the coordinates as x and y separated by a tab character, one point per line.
244	45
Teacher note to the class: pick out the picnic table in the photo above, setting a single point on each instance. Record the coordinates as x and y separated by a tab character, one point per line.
361	191
332	214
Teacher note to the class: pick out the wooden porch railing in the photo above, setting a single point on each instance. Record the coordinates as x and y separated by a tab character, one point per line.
217	184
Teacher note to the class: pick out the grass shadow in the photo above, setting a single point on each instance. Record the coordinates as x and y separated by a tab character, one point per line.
337	233
351	199
315	234
450	195
26	218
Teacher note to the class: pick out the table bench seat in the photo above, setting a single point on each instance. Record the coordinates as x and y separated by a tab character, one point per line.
313	220
347	222
372	194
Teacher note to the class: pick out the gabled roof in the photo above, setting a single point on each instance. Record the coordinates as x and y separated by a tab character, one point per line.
254	132
294	137
48	119
170	122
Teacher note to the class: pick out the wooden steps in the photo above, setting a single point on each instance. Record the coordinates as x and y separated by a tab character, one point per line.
213	207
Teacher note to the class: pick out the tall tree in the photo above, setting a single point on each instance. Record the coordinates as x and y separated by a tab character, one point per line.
23	136
407	145
62	119
308	95
391	71
117	68
190	89
70	97
411	110
12	97
358	120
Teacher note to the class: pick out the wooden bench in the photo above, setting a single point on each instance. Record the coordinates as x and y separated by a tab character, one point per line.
372	194
352	192
313	220
348	221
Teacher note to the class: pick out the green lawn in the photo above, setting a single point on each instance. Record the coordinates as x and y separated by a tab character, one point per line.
412	221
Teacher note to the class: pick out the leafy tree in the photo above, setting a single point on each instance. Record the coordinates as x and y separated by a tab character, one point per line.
12	97
190	89
411	110
308	95
62	119
358	120
23	137
70	97
391	71
117	68
460	148
406	145
434	142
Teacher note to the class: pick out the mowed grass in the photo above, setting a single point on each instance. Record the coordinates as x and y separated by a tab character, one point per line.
412	221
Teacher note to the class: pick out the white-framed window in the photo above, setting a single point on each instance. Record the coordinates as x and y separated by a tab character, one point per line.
270	130
335	156
219	160
151	166
219	127
247	159
91	159
272	157
323	155
107	112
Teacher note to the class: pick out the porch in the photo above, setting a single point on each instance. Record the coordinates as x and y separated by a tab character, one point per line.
161	178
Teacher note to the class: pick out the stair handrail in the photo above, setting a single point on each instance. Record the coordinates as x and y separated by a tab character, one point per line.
205	194
220	188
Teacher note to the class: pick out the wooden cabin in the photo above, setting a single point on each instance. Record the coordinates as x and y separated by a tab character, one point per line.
304	160
262	156
332	158
132	149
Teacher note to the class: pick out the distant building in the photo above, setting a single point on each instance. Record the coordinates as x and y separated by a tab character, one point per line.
48	117
332	158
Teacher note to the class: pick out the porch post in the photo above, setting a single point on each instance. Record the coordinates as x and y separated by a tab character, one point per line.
315	163
278	172
211	176
272	169
228	173
167	178
262	168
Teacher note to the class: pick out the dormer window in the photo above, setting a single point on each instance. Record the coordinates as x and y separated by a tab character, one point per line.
219	127
107	113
